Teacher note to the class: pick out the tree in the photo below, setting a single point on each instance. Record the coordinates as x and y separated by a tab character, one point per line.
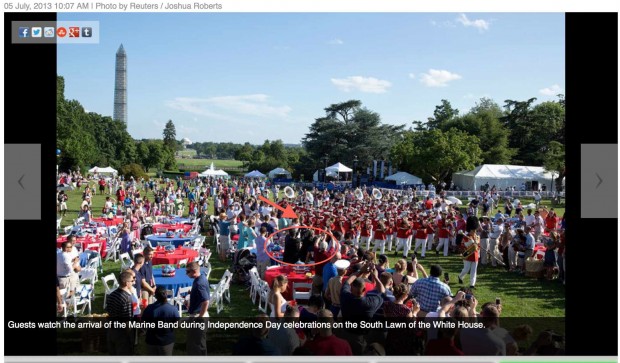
443	113
435	155
555	162
170	135
348	130
532	128
483	120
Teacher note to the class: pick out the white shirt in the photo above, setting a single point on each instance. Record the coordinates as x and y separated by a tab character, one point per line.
64	263
530	243
529	219
498	229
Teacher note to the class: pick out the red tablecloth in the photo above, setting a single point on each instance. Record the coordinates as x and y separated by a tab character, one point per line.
109	222
541	249
89	242
172	227
272	273
165	258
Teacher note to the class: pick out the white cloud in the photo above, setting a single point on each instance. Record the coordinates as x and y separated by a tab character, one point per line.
480	24
411	75
363	84
227	107
551	91
336	42
438	78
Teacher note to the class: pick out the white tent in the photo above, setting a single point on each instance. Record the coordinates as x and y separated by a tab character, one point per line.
255	174
403	178
212	172
279	171
502	176
339	168
106	170
315	176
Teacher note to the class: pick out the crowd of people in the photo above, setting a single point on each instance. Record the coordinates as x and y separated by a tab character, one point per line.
361	227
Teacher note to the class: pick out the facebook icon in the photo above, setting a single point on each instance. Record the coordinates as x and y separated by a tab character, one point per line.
87	32
23	32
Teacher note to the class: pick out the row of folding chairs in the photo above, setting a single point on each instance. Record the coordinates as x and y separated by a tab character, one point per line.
77	302
259	291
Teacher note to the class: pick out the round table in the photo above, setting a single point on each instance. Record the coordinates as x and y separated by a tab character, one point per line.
273	272
89	241
177	240
109	222
173	283
165	258
172	227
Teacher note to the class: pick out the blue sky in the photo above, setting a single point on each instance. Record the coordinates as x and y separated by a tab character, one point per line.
235	77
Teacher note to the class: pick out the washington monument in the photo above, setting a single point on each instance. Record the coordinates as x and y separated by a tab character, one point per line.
120	86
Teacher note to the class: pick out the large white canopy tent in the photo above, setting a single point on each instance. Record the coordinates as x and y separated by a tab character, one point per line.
212	172
107	170
255	174
502	176
403	178
278	172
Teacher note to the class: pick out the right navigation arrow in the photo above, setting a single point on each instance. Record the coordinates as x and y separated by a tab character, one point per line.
600	181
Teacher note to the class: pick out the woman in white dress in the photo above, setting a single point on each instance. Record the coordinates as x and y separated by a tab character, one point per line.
276	301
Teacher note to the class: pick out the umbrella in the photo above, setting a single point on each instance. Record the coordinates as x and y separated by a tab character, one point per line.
448	202
455	200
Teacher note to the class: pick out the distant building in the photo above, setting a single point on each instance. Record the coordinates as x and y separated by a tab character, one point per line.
120	86
186	142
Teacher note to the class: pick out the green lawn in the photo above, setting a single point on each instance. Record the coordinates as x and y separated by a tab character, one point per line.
521	296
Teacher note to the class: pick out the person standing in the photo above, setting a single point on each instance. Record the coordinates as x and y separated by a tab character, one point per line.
262	258
197	308
471	242
119	308
160	341
146	273
68	266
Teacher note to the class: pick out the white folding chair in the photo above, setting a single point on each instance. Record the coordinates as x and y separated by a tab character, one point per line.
68	229
254	284
263	302
63	298
58	220
90	271
302	295
82	297
126	261
180	299
106	286
113	249
183	262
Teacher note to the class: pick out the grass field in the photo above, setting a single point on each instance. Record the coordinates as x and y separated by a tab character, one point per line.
207	162
521	296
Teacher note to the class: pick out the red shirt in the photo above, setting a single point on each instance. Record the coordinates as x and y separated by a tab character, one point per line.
467	241
366	228
379	233
551	222
420	233
402	232
429	204
330	345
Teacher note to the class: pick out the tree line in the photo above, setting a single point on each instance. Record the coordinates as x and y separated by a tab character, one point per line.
86	139
519	132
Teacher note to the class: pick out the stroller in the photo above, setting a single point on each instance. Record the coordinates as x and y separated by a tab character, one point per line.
243	261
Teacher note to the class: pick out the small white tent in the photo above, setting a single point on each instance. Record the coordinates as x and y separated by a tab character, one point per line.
107	170
339	168
212	172
403	178
279	172
502	176
254	174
